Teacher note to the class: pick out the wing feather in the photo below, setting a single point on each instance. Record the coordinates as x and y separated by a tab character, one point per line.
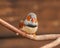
21	24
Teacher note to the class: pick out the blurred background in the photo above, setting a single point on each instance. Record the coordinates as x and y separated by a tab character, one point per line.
12	11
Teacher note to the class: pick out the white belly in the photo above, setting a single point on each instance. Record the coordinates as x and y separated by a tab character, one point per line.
29	29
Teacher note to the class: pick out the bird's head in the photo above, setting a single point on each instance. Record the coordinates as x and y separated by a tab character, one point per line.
31	19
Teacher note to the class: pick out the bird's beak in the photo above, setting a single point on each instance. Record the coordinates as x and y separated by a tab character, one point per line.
33	20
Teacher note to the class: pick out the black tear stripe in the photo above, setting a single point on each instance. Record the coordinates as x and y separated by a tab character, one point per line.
33	26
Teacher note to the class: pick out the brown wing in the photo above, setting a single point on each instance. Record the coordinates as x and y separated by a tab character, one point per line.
21	24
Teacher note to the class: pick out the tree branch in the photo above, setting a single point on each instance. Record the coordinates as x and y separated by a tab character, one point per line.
38	37
52	44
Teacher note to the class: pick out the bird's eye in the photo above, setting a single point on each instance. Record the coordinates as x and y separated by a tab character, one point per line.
28	18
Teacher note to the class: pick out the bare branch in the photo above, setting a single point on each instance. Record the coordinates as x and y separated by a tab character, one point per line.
38	37
52	44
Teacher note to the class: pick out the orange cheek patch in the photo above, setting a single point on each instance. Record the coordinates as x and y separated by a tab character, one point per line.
28	18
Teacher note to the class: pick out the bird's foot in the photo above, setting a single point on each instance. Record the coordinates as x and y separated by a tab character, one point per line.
34	35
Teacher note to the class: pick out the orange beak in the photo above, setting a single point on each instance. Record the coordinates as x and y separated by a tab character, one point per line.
33	19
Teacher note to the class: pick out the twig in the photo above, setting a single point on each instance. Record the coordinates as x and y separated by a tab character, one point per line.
38	37
52	44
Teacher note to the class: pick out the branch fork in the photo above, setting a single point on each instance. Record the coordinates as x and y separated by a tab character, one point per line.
37	37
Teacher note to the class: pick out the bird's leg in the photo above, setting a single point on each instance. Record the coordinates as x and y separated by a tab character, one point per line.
34	35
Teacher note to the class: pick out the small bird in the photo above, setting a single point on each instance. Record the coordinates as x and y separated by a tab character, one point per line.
30	24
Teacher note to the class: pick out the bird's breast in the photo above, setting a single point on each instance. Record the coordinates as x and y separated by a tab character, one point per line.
29	30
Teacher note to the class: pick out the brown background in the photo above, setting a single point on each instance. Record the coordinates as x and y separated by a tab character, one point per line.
12	11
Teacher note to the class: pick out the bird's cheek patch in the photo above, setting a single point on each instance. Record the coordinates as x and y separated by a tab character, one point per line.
28	18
